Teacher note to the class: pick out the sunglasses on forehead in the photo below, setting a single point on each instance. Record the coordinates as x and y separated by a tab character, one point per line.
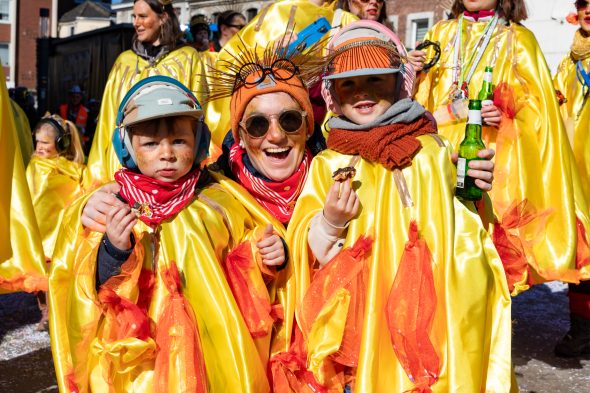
368	1
581	3
290	121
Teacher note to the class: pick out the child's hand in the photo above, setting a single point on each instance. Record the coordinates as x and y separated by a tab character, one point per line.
271	248
98	205
481	170
417	58
491	115
120	222
342	204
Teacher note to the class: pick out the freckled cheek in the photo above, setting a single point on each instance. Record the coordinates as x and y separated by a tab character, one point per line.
185	157
142	159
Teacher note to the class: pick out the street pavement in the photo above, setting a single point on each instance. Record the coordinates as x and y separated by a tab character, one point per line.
540	319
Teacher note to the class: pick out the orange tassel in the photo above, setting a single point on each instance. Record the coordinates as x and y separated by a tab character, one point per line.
254	303
582	249
509	246
288	370
177	337
410	312
128	319
346	270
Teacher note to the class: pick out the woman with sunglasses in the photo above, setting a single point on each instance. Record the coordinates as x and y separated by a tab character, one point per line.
157	50
572	83
228	24
541	218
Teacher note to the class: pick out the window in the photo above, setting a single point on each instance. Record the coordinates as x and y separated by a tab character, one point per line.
4	10
72	30
417	26
251	13
5	54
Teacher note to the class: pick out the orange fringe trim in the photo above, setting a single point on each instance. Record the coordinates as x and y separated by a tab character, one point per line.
583	248
24	283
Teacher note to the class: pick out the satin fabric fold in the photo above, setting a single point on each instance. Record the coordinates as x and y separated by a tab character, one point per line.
222	217
576	116
471	323
268	25
533	163
22	263
184	64
54	183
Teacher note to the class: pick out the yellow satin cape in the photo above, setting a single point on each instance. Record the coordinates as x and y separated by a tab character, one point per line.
23	130
533	159
197	240
471	331
54	183
576	116
268	25
22	264
184	64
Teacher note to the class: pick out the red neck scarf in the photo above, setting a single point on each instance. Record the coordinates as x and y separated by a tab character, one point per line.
482	15
393	145
155	200
278	198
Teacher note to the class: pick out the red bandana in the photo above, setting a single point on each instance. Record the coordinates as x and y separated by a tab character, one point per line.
477	15
153	199
277	197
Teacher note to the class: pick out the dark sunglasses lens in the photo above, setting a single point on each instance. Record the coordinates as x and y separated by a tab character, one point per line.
581	4
257	126
290	121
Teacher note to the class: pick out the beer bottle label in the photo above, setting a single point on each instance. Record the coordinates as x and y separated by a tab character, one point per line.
487	77
461	172
474	117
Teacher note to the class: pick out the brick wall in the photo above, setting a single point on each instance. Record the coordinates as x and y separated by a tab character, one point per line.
26	50
403	8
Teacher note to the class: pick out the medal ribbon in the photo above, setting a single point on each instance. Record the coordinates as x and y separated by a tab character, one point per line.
459	77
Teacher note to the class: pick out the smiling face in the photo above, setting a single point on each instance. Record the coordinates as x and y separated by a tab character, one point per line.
584	15
366	9
45	141
363	98
278	154
480	5
147	22
164	148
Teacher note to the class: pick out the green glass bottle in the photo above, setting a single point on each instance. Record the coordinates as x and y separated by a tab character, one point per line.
468	149
486	94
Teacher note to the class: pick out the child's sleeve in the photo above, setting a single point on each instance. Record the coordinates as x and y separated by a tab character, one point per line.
325	240
109	259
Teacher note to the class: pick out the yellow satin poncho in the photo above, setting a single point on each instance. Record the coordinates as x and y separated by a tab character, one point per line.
54	183
23	130
22	264
576	116
268	25
184	64
197	240
533	162
471	330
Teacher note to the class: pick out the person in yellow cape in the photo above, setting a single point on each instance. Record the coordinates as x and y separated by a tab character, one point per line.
156	51
177	300
540	234
54	174
22	265
398	285
275	20
572	83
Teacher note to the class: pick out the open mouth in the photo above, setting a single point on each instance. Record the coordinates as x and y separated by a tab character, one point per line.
364	107
277	153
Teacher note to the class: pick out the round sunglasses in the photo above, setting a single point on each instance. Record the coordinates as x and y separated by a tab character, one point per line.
290	122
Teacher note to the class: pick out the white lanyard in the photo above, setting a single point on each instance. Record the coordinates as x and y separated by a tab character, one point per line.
481	46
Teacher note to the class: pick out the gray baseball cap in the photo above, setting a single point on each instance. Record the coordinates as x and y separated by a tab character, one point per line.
159	100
